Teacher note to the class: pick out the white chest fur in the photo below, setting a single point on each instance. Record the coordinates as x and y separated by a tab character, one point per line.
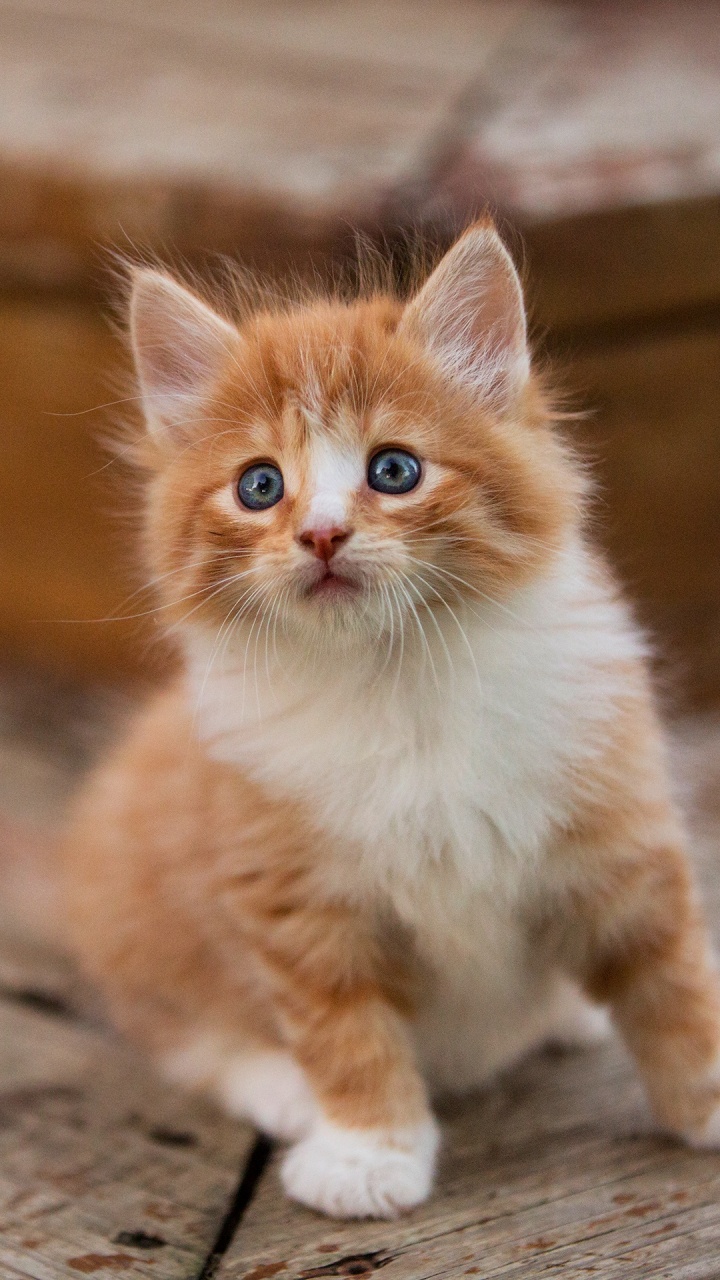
440	782
460	757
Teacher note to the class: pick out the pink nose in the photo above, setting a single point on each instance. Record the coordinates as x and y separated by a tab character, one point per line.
323	542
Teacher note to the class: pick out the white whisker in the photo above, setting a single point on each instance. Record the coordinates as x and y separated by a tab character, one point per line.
436	624
458	624
470	587
426	646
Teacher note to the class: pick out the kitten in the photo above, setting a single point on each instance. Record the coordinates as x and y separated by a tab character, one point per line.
405	813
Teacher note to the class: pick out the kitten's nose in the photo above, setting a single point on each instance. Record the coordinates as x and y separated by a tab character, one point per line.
323	542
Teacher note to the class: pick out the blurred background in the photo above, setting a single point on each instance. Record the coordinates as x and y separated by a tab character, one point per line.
270	130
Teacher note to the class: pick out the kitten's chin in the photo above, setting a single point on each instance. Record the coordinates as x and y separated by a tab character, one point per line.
335	612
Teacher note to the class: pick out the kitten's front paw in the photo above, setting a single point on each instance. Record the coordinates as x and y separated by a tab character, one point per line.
361	1173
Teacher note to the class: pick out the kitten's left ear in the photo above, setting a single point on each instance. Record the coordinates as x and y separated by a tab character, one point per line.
180	347
470	313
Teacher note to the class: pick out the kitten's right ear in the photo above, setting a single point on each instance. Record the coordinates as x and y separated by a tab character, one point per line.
471	316
180	347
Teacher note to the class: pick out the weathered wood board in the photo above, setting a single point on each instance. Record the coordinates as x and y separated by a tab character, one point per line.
102	1169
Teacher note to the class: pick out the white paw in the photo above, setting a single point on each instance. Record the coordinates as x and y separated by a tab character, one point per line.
269	1089
576	1023
362	1173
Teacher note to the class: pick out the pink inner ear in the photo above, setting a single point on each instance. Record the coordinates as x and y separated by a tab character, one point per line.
471	314
180	346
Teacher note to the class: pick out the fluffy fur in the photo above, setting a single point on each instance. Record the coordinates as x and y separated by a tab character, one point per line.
406	809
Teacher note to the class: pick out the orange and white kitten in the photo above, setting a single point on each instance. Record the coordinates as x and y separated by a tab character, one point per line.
405	813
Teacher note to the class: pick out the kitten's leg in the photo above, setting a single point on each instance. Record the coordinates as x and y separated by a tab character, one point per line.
371	1150
640	944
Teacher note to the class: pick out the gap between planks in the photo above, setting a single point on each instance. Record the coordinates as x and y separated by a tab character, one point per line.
254	1169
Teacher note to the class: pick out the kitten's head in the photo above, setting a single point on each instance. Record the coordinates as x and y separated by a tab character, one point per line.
339	469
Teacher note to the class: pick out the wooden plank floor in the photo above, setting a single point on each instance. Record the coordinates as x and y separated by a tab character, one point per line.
101	1169
104	1171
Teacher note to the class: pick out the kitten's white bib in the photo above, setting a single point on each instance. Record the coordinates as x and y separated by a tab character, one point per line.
436	791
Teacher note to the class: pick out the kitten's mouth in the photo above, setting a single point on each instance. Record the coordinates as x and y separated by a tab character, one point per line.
332	585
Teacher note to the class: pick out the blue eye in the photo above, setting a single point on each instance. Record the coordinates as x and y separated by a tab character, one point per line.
394	471
261	486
